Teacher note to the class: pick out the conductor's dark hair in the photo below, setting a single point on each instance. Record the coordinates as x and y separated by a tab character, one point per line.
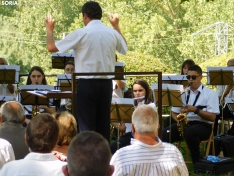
92	9
37	68
188	62
195	68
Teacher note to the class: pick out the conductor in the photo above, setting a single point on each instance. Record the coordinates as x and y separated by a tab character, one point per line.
94	46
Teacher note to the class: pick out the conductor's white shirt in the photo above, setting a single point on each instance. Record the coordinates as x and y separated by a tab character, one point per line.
94	47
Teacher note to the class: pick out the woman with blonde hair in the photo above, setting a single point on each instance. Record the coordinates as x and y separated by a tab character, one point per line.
67	130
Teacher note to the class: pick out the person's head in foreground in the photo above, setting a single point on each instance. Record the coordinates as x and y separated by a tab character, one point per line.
42	133
145	121
88	154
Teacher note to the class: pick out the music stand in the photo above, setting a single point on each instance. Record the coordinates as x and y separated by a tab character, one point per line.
121	111
119	67
220	75
26	98
9	74
172	95
64	82
175	79
59	60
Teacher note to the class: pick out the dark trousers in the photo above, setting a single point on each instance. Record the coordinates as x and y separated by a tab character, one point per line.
193	135
168	121
226	114
93	105
124	140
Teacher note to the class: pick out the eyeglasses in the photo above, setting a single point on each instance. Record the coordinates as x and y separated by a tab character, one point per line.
193	77
34	76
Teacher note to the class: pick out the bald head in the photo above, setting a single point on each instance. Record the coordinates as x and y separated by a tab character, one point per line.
12	111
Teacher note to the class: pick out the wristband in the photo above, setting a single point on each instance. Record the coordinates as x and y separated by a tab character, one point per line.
197	111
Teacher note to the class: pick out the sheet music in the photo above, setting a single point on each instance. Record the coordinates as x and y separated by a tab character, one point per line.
38	87
174	78
122	101
71	54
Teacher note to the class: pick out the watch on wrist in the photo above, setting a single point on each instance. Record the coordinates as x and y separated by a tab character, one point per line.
197	111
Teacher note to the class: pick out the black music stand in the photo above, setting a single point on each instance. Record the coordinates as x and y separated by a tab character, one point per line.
64	82
59	60
172	95
26	98
121	111
175	79
220	76
9	74
119	67
4	99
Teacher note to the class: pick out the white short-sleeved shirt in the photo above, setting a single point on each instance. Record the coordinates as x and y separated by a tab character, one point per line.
117	92
143	159
207	98
6	152
36	164
94	47
5	91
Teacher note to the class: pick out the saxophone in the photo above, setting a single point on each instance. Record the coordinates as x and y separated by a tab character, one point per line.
35	111
182	123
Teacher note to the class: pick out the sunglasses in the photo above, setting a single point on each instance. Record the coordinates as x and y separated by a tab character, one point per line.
193	77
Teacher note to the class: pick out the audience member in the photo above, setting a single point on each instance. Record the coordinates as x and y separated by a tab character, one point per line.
147	154
184	70
6	152
141	89
7	89
88	154
201	108
67	130
41	137
94	52
11	128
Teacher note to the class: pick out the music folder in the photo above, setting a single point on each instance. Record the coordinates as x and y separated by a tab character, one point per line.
172	95
220	75
121	110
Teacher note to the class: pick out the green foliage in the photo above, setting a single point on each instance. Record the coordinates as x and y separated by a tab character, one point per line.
159	33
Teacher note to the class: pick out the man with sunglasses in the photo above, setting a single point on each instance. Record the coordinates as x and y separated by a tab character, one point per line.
202	106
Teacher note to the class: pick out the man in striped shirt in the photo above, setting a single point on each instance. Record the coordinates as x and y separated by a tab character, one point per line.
147	154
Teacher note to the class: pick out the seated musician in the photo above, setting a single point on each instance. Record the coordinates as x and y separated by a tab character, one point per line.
184	70
140	88
68	69
201	109
37	77
225	91
7	89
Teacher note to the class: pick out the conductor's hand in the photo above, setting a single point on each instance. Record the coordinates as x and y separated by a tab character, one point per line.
49	23
114	20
